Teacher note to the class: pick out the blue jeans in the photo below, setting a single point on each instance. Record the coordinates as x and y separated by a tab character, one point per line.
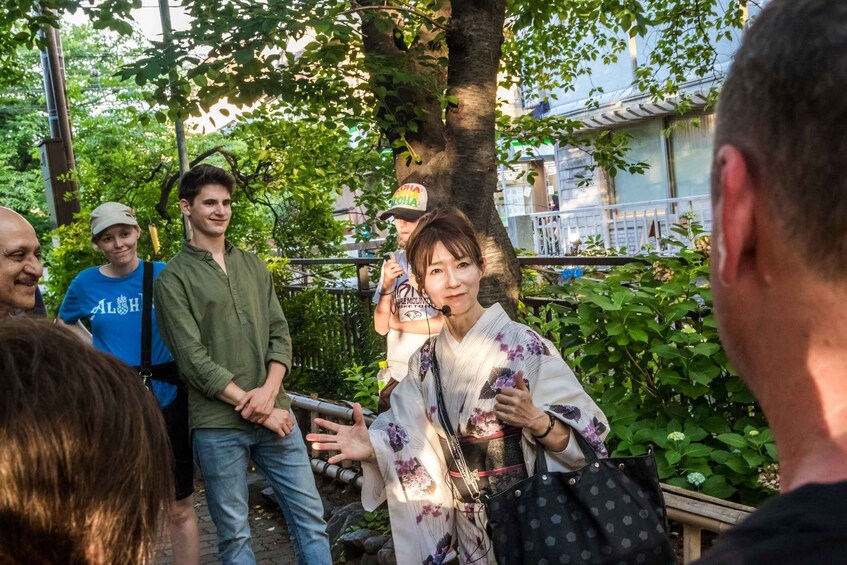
223	456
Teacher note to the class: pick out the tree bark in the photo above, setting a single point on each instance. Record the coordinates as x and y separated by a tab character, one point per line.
454	155
474	41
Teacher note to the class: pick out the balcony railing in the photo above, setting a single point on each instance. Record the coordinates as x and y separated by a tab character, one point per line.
618	226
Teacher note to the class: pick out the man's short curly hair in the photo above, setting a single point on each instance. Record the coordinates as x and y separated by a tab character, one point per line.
199	176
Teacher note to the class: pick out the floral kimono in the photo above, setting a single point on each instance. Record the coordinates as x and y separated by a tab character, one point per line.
432	515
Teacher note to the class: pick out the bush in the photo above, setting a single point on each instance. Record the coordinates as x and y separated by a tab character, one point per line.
365	384
319	322
643	340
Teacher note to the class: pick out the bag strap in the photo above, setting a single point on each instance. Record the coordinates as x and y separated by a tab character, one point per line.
452	440
541	454
587	450
147	320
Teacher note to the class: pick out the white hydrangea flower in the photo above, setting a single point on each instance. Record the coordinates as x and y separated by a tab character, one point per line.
696	479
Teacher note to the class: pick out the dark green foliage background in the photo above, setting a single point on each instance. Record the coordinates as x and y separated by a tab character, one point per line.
643	340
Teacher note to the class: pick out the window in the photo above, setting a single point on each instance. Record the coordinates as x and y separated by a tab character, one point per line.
688	156
691	154
645	146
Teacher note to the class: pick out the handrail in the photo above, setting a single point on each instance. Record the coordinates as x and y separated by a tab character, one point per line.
335	261
363	283
694	510
579	260
574	260
605	207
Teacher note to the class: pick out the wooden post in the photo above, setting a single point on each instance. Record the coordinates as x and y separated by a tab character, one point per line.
364	284
691	543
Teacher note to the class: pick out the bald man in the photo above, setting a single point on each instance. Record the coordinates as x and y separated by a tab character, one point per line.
20	263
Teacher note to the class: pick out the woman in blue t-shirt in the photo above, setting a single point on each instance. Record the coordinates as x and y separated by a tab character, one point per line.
109	298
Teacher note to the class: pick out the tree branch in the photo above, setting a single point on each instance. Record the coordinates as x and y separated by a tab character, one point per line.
395	9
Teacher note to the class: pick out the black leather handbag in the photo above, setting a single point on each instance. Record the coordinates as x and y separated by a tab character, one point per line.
611	511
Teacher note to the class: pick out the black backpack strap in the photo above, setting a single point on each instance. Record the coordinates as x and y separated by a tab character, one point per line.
147	321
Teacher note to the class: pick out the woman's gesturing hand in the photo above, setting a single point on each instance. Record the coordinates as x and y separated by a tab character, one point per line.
352	442
515	407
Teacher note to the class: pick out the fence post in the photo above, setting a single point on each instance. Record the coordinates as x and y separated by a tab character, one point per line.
364	283
536	240
691	543
313	427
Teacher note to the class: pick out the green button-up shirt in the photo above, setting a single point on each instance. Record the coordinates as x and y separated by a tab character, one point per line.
221	327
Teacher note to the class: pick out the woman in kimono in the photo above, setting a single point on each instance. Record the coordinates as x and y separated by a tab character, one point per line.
505	389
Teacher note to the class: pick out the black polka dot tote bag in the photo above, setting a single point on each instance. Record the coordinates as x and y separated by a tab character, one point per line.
609	512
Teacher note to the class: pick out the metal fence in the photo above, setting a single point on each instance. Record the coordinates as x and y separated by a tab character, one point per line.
345	300
617	226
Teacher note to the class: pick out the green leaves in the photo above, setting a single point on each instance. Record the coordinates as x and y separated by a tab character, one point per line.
365	384
648	352
665	351
717	486
707	349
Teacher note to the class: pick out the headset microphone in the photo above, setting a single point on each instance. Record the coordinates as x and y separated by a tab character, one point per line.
446	310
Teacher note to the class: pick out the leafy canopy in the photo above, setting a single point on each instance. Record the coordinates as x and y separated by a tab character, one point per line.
316	56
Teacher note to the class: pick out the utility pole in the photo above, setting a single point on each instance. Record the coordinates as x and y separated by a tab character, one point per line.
57	155
167	32
181	149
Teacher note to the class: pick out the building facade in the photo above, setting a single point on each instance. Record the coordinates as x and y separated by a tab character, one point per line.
588	205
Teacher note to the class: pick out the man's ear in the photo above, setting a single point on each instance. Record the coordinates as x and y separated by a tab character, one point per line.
735	213
184	206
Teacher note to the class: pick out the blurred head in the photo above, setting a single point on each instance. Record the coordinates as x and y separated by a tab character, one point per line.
446	258
119	244
404	228
115	232
20	262
206	200
84	456
779	193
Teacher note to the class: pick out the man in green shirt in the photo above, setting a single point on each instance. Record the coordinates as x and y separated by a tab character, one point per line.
219	315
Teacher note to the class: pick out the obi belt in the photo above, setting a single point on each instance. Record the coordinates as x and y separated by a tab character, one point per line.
496	461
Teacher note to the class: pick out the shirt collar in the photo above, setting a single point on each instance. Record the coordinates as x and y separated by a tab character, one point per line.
203	253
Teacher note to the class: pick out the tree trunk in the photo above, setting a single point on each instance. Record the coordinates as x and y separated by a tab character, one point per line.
455	157
474	43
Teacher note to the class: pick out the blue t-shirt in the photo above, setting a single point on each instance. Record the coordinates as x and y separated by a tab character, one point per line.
113	308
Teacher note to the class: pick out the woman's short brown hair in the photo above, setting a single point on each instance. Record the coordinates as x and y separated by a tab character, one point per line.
450	227
84	457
